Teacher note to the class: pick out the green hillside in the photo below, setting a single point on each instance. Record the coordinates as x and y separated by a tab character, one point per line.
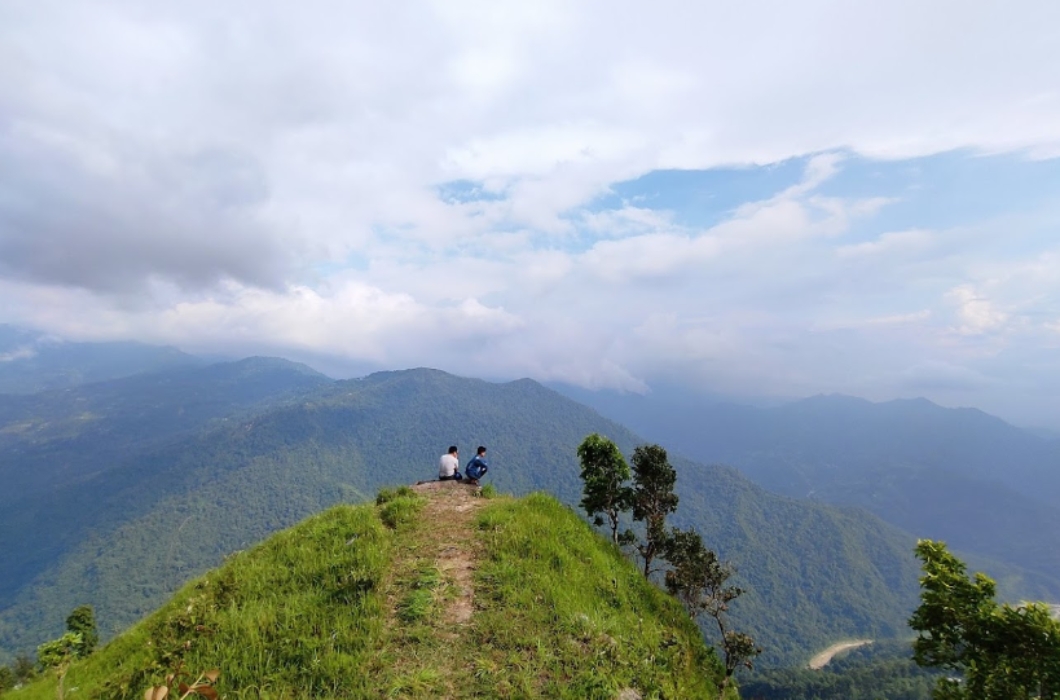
434	594
986	487
127	536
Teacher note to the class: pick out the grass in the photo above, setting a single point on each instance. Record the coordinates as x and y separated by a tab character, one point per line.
418	601
563	614
353	603
294	617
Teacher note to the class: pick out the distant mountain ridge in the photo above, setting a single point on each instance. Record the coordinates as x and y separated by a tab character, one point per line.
959	475
31	361
125	535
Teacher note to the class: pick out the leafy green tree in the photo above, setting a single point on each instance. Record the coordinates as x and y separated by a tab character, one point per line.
604	475
58	654
24	669
653	499
7	679
1003	652
82	620
700	581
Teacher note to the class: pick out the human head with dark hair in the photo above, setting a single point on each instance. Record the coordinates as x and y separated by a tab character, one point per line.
481	451
453	450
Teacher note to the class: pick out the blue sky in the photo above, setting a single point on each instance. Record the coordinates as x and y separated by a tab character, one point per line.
608	194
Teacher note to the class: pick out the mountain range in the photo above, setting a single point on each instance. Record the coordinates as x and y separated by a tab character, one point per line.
960	475
122	490
120	522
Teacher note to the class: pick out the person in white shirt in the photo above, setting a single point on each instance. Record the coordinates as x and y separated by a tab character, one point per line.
449	466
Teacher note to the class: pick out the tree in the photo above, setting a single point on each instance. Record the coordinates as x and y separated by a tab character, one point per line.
23	669
699	580
82	620
7	679
1004	652
604	473
653	499
58	654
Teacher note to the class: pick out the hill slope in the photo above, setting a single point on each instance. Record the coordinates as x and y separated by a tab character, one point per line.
958	475
507	599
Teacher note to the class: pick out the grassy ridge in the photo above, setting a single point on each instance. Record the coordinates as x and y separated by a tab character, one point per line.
351	604
564	615
294	617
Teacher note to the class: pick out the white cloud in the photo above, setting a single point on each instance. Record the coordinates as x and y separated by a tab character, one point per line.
895	242
977	314
23	353
256	175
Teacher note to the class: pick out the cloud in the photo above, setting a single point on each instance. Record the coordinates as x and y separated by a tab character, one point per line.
109	226
434	183
23	353
895	242
976	313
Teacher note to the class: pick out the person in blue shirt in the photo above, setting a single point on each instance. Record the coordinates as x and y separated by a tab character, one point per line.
477	467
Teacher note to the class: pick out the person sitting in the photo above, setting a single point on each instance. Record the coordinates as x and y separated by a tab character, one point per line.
477	467
449	466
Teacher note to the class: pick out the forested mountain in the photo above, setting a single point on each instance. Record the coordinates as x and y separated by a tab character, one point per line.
124	535
60	437
957	475
31	362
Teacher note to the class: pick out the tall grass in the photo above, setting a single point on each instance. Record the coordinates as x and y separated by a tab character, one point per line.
294	617
563	614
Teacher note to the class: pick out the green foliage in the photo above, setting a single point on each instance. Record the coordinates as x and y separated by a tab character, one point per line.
1003	652
882	671
23	668
562	617
400	509
653	499
293	617
700	581
488	491
7	679
417	603
929	470
58	654
389	494
82	621
604	474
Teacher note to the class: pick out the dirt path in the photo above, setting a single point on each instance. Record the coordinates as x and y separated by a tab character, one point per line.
449	513
430	596
821	660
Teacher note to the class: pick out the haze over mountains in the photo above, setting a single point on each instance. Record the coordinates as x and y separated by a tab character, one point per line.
959	475
123	489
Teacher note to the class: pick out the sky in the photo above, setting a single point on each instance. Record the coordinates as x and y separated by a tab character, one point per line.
747	199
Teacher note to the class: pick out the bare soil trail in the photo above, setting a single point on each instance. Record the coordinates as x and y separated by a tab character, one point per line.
430	596
821	660
450	511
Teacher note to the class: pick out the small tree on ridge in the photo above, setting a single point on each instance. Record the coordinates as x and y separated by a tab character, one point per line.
699	580
653	499
604	474
82	620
